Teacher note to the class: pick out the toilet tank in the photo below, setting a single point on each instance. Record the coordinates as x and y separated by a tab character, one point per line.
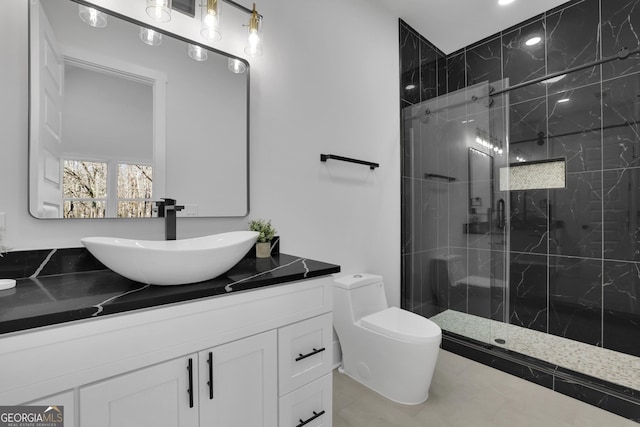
363	293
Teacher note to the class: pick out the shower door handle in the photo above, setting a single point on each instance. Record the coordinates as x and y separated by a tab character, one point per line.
501	214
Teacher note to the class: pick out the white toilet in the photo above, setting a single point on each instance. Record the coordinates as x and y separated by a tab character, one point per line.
390	350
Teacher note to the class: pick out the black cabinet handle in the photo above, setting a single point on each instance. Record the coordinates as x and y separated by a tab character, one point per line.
315	415
210	382
304	356
190	391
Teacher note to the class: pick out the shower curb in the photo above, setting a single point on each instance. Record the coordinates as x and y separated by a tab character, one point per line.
610	397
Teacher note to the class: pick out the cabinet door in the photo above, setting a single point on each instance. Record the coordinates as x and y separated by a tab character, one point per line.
157	396
64	400
238	383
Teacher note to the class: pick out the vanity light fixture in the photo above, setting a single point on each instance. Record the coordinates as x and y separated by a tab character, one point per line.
236	66
254	42
92	17
487	141
159	10
150	37
210	28
533	41
210	20
197	53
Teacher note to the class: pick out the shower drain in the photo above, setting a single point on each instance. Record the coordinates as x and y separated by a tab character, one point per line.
500	341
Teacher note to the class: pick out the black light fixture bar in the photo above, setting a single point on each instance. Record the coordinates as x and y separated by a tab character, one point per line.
241	7
188	7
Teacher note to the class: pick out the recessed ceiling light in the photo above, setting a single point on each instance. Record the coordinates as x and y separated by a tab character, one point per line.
563	100
533	41
555	79
503	2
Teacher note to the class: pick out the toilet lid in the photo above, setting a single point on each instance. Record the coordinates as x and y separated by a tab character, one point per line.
401	324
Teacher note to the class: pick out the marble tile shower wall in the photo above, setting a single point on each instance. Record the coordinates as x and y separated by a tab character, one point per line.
574	253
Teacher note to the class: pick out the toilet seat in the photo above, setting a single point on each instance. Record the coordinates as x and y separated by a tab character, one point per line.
402	324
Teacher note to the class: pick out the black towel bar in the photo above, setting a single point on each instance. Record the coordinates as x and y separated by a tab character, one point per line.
325	157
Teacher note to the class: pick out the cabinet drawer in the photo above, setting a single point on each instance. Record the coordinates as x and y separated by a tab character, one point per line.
305	352
309	406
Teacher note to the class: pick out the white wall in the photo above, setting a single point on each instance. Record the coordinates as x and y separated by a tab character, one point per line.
327	83
129	136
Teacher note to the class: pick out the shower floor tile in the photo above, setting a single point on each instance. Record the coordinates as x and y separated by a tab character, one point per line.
608	365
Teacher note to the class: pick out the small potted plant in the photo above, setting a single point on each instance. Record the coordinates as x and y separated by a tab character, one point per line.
266	230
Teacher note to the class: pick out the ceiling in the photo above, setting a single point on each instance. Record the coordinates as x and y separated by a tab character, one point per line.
453	24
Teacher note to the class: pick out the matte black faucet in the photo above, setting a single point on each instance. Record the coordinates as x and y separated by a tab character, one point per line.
167	209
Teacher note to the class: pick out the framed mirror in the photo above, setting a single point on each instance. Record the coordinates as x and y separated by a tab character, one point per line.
119	119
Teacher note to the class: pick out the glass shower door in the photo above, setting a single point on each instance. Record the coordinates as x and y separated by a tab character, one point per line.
455	215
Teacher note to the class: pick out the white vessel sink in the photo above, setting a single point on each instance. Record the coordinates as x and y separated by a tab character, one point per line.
172	262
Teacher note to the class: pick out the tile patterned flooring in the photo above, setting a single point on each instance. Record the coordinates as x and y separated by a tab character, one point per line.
465	393
612	366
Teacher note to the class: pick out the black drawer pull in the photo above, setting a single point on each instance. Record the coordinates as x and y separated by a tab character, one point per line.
315	415
190	391
304	356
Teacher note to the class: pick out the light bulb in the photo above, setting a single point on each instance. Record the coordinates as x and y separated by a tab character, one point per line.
210	13
197	53
236	66
254	42
159	10
92	17
254	47
150	37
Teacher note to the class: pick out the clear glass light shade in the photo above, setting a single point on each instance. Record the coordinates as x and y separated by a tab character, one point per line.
159	10
150	37
210	18
237	66
254	43
92	16
197	53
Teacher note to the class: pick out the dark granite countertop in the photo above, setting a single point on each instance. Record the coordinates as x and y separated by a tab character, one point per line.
47	300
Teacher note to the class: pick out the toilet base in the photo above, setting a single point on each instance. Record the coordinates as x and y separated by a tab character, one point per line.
342	371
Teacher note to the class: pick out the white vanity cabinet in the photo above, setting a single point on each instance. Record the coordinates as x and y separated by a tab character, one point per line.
133	369
229	385
154	396
238	383
65	399
304	367
311	405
